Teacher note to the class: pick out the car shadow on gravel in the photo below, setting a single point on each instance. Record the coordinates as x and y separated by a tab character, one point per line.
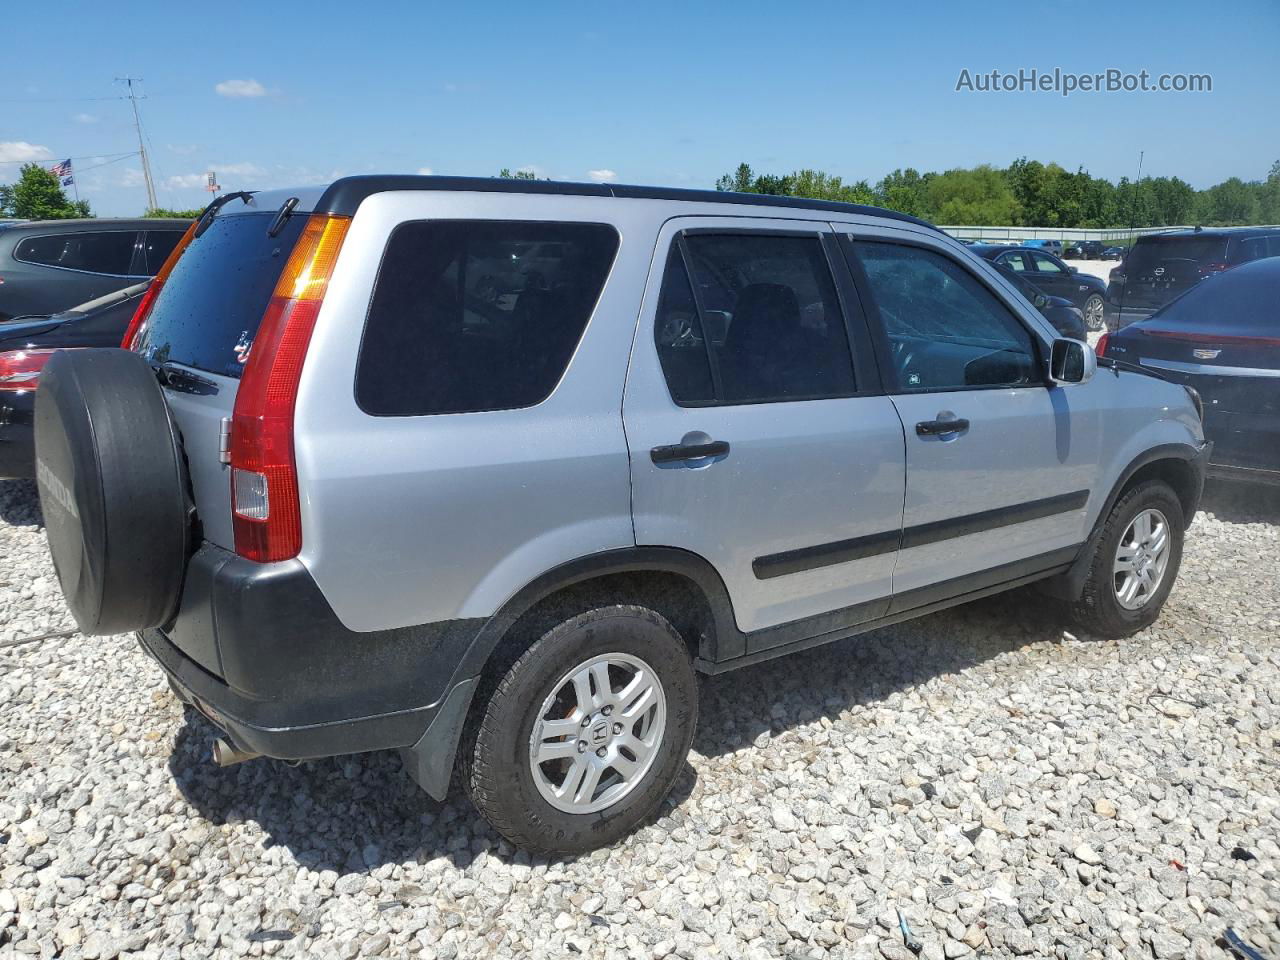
348	814
737	708
354	814
19	504
1241	502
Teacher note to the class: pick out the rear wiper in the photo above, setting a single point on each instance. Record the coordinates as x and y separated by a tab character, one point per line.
206	217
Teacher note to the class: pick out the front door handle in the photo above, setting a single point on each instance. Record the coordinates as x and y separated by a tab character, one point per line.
941	428
672	452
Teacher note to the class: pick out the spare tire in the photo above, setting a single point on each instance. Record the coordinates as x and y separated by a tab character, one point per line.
113	489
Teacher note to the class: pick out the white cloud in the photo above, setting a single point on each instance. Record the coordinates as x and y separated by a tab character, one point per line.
243	173
20	150
602	176
240	88
85	118
425	171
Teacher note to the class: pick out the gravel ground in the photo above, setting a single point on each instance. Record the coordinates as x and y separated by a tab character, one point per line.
1012	790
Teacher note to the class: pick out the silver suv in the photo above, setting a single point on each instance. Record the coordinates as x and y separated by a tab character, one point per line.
487	471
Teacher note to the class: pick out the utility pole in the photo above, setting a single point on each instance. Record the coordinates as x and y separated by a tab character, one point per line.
142	146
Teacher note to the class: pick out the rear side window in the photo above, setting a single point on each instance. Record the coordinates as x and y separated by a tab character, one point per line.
97	252
159	244
473	315
208	311
759	314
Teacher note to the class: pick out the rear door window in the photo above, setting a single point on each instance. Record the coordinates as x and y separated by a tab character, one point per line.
473	315
105	251
207	313
156	249
762	318
1175	257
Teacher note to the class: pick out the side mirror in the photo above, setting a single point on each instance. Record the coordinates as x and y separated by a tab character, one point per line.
1074	269
1040	301
1072	361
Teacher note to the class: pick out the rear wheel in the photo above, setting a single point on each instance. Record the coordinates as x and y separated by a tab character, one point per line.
1135	562
585	734
1094	312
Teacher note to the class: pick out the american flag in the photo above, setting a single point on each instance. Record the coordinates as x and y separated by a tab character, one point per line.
62	170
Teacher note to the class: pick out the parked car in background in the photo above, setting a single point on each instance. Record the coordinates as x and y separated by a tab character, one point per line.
1115	253
26	343
47	266
1163	265
1050	275
1051	246
1066	318
1084	250
442	465
1221	337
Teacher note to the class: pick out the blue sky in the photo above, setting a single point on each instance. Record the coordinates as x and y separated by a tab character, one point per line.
287	93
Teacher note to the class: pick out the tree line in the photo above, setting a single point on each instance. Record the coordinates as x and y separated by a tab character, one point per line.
1034	194
1025	193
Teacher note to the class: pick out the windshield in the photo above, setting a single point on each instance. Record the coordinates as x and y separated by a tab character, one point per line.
209	308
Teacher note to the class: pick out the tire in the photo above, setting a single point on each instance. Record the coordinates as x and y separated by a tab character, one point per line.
496	757
1101	610
1095	312
113	488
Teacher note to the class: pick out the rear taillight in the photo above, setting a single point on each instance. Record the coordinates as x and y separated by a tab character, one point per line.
20	369
1100	348
264	477
134	330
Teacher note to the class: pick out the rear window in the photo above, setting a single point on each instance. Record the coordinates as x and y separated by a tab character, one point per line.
97	252
1151	252
478	315
208	311
1243	299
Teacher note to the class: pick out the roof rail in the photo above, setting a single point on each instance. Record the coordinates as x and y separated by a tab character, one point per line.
345	195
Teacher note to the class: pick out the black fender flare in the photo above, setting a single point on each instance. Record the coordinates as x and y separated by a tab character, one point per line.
1070	585
430	761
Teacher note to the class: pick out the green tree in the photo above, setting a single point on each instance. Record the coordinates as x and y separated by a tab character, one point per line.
509	174
178	214
1269	198
37	195
740	181
978	197
906	191
1229	203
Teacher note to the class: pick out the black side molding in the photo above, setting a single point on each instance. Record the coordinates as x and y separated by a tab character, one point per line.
926	533
859	548
825	554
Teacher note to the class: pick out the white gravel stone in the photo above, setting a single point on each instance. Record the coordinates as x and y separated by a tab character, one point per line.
1014	790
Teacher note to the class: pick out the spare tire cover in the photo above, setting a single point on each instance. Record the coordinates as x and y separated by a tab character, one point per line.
113	489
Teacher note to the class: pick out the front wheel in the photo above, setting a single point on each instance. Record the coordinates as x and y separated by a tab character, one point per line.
1094	312
1135	562
585	734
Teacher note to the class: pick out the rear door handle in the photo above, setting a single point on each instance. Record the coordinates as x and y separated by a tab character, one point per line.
939	428
670	453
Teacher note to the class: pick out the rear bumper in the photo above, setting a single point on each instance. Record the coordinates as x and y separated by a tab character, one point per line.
258	650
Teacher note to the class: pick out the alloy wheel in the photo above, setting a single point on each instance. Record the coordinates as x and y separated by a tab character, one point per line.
1141	559
597	733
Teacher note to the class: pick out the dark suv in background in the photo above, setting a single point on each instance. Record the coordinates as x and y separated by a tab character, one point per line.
1053	277
1161	266
47	266
1084	250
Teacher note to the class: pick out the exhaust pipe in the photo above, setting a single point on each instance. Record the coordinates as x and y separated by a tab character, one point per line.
225	755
